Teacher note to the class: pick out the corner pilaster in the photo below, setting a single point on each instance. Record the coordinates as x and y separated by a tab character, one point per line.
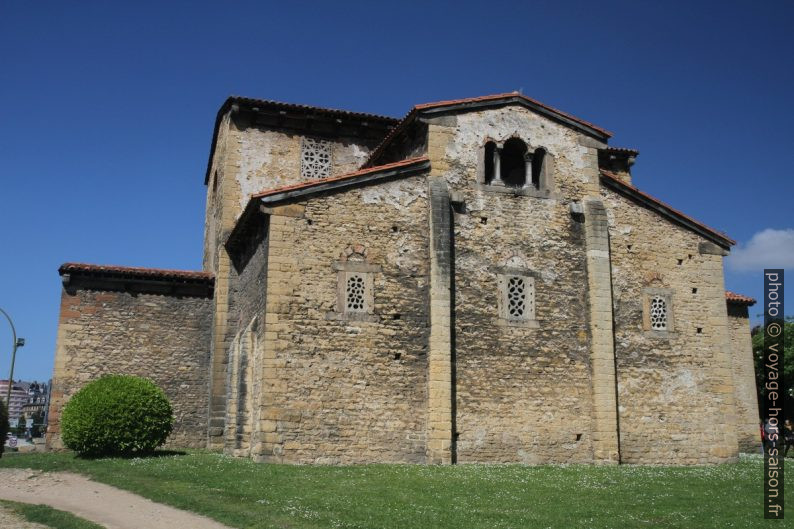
602	348
439	377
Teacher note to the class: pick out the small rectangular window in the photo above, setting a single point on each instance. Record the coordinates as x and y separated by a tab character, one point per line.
355	292
517	299
657	310
658	313
355	298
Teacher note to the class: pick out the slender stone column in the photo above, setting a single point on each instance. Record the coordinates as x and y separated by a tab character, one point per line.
497	167
528	169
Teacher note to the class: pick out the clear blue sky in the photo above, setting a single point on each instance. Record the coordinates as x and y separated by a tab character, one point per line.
106	112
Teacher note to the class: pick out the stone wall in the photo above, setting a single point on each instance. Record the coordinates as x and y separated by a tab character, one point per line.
744	378
246	316
675	388
249	158
161	337
523	392
341	388
435	371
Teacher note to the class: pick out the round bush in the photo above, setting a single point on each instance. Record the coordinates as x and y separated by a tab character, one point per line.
117	415
4	426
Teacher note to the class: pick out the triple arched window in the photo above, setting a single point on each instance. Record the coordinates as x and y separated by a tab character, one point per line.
513	164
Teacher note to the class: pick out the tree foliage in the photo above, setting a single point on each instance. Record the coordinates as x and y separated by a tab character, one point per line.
788	362
117	415
4	426
19	430
38	424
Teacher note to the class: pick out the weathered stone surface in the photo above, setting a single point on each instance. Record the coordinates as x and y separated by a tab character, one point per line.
747	422
675	389
426	364
522	394
164	338
335	389
249	158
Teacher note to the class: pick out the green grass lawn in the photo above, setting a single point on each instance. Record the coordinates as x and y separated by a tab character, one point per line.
48	516
241	493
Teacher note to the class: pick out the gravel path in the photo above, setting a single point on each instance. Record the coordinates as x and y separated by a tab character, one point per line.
108	506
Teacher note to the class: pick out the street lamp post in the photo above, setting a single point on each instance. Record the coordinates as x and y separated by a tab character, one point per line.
18	342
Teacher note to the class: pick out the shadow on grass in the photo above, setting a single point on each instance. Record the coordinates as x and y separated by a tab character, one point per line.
136	455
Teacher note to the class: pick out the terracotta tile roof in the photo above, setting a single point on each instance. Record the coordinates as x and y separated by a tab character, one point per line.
135	272
495	97
616	181
738	299
346	176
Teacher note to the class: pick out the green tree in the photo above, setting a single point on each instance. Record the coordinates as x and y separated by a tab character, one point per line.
787	388
38	424
4	426
20	428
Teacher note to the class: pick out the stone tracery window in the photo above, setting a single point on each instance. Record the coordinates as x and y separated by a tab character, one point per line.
658	316
354	293
658	313
516	297
315	158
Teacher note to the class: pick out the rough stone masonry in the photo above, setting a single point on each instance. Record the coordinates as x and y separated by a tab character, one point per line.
479	281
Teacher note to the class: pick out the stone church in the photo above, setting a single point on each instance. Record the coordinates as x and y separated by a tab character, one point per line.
478	281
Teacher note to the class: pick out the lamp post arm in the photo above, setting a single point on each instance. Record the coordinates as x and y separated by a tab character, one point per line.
13	357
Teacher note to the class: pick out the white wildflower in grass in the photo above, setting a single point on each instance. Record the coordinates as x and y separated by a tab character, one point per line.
242	493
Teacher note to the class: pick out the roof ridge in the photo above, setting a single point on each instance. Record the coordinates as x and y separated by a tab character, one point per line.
449	102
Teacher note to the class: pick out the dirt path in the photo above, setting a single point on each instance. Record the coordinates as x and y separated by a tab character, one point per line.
108	506
9	518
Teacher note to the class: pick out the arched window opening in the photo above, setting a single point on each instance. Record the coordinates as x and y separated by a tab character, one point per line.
538	168
490	161
513	163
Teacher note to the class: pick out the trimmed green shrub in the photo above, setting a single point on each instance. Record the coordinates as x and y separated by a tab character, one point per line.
117	415
4	426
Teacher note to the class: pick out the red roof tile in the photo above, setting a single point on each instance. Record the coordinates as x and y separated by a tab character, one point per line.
129	271
614	178
738	299
346	176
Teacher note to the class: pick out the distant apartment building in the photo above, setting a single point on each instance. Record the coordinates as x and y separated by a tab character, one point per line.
19	397
37	393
